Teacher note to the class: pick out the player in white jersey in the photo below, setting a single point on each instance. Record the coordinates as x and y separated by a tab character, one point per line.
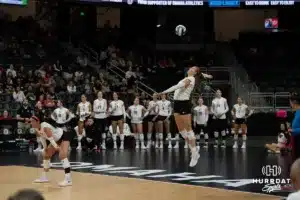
200	121
219	108
61	116
164	113
126	130
117	115
240	112
153	111
183	108
100	118
59	141
136	113
84	110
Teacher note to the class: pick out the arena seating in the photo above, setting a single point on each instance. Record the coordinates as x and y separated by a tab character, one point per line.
270	59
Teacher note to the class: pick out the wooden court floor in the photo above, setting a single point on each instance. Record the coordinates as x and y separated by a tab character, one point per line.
94	186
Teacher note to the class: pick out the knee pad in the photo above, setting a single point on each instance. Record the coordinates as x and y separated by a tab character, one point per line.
184	134
122	137
191	135
206	136
177	136
169	136
103	136
66	163
149	136
244	137
114	137
160	136
198	137
141	136
46	164
216	134
223	133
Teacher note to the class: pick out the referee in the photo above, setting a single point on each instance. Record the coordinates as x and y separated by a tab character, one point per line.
295	130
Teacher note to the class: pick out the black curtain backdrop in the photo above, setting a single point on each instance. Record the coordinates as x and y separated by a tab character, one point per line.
289	18
138	24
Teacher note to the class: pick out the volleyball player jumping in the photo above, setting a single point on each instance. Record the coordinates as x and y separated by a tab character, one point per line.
183	108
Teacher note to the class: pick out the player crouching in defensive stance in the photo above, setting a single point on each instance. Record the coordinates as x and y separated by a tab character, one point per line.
59	141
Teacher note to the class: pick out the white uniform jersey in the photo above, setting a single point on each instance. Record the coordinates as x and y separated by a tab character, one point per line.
164	108
294	196
100	108
84	110
61	115
184	93
153	108
219	105
56	132
200	114
117	108
240	110
126	130
136	113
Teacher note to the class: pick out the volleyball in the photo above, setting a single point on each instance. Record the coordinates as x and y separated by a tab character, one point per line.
180	30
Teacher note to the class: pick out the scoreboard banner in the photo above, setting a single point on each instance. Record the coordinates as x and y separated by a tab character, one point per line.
14	2
210	3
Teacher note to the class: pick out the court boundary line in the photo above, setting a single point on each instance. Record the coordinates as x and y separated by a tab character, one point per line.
165	182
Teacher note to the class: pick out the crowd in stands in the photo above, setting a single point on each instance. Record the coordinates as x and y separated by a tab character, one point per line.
270	58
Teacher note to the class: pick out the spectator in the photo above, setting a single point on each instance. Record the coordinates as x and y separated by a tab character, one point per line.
49	102
105	88
12	71
5	116
71	88
24	113
39	110
27	194
18	95
130	74
87	87
30	95
131	77
97	87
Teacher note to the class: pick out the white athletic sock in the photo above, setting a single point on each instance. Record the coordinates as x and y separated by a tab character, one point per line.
244	138
177	137
142	139
136	137
157	138
169	138
193	150
122	139
161	137
46	166
66	165
68	176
